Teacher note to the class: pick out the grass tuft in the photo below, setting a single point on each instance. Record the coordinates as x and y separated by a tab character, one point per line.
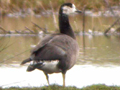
57	87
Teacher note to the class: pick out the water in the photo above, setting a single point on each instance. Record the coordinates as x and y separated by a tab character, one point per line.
101	50
98	62
98	50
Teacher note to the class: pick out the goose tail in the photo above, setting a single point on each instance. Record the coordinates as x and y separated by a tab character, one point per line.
25	61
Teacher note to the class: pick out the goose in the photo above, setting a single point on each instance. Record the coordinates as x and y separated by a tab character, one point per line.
56	53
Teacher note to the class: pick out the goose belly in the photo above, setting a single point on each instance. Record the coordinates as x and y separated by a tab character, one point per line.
50	67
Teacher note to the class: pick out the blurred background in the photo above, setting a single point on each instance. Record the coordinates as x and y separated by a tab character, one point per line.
13	12
23	23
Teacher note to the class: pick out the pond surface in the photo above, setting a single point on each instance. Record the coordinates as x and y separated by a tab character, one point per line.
95	50
98	62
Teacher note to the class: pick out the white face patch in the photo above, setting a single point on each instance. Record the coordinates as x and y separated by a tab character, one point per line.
74	8
69	10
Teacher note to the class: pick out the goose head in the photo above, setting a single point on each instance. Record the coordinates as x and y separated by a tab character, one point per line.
69	8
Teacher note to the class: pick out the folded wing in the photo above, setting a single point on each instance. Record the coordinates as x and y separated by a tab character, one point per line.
48	52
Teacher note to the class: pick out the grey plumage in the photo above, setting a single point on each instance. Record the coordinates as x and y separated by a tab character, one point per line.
56	52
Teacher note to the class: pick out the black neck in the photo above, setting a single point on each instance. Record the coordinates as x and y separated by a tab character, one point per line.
64	25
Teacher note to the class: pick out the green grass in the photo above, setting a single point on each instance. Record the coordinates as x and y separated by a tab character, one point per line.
56	87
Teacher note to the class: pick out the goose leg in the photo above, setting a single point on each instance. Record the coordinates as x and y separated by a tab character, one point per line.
63	75
47	77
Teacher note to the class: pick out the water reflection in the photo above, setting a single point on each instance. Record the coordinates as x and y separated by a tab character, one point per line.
93	23
98	50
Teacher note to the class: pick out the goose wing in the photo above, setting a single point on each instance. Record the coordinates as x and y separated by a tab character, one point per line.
43	42
48	52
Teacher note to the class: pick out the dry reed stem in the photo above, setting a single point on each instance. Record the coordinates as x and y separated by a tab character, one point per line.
54	17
